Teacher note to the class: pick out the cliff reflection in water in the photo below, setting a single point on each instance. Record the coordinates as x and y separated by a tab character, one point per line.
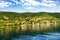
29	27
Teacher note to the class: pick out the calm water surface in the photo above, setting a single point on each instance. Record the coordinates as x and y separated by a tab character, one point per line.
50	36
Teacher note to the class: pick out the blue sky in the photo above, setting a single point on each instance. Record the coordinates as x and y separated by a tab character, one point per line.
30	5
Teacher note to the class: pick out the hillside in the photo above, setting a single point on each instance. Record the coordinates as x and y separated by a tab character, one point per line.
12	15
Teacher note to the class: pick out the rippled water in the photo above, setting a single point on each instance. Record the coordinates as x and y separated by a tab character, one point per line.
50	36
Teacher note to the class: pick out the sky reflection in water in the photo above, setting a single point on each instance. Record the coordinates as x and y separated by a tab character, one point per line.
53	36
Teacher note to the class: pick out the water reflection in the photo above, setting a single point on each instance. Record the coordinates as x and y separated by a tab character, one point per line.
50	36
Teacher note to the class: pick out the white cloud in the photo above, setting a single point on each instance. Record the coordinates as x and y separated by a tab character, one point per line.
29	4
48	3
33	3
30	8
4	4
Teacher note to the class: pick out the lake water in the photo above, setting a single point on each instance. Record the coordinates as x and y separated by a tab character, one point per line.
49	36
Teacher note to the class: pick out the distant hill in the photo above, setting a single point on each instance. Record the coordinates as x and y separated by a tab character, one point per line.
41	15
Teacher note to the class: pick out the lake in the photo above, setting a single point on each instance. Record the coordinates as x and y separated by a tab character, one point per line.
49	36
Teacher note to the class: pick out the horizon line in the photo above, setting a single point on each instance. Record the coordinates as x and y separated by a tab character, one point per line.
30	12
